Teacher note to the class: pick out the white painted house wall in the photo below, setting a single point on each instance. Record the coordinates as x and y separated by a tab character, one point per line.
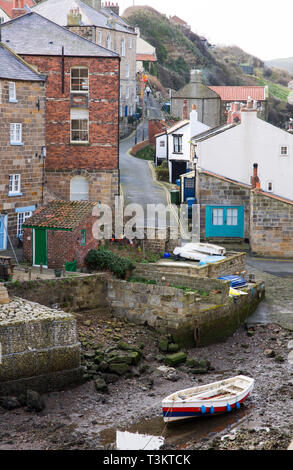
232	154
3	16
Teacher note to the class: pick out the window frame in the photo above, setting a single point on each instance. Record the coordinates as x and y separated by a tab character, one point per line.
80	130
13	130
15	187
25	215
178	148
281	150
127	70
109	42
12	96
123	47
80	67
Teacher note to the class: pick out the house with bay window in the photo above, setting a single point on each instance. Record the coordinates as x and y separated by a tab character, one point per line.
82	110
22	144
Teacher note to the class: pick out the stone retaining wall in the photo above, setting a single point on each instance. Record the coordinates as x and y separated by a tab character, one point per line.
40	349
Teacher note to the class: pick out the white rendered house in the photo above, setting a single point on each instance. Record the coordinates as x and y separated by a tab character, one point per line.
232	150
174	144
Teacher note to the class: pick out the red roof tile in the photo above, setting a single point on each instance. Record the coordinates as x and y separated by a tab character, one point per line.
7	5
61	215
240	93
146	57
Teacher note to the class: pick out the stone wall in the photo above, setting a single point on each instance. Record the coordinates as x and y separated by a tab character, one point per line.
40	349
21	159
220	191
234	263
271	225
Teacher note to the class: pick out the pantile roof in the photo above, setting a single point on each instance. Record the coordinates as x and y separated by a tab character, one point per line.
32	34
240	93
7	5
60	215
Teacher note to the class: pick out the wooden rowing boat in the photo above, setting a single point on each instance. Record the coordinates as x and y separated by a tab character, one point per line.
211	399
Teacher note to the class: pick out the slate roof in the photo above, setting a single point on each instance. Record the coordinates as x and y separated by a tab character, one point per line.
240	93
212	132
60	215
57	11
32	34
13	67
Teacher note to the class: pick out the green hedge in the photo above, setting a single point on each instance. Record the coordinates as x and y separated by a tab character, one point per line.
162	174
103	259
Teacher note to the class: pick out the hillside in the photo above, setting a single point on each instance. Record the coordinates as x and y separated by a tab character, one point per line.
284	64
179	50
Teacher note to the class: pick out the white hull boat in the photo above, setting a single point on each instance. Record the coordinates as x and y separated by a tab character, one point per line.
199	251
215	398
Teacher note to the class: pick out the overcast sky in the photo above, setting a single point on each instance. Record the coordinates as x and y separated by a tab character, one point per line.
260	27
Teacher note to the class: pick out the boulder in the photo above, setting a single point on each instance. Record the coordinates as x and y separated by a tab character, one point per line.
174	360
173	348
4	297
119	368
100	385
163	344
34	401
10	403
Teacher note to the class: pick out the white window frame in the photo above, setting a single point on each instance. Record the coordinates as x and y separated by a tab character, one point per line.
130	43
177	144
15	133
127	70
100	37
127	93
12	92
218	217
109	42
79	78
14	187
81	115
122	47
21	218
281	150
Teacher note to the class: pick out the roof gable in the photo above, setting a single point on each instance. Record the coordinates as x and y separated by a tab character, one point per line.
15	68
32	34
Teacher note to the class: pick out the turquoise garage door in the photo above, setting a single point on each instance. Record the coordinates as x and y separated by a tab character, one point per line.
225	221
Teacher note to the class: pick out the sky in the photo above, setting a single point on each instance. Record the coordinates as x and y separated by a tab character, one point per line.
262	28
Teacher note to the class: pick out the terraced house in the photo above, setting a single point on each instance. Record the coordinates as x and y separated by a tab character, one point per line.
22	144
82	106
101	24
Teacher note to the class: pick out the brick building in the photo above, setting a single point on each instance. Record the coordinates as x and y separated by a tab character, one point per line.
58	233
82	107
101	23
22	143
13	8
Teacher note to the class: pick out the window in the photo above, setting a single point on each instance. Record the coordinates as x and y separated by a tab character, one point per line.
79	189
99	37
14	184
79	79
232	217
12	92
21	218
123	48
1	19
127	93
228	106
15	134
79	125
130	43
162	143
83	238
127	70
177	140
284	150
109	42
218	216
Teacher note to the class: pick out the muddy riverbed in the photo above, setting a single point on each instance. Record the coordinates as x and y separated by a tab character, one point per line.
128	416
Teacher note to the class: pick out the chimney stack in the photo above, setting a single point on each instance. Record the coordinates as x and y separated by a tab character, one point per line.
112	7
234	115
185	111
74	17
193	121
255	181
18	8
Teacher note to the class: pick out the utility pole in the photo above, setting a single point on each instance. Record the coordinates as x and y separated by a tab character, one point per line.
142	82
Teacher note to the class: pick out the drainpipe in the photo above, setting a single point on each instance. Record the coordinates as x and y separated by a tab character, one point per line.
119	84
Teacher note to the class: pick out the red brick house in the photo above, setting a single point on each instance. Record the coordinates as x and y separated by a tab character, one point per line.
82	107
58	233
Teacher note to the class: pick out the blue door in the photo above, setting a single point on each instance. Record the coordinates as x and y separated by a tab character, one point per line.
225	221
3	232
189	189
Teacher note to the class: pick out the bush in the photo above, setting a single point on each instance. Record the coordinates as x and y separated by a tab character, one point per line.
162	174
148	153
107	260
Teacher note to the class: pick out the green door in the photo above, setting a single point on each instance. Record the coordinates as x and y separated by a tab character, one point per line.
40	247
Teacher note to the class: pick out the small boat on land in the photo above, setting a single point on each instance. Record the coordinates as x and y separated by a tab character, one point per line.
211	399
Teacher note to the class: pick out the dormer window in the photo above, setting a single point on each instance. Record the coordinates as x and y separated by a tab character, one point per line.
79	80
284	151
12	92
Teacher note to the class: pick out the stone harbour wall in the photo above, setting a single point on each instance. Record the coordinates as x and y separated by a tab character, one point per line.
40	349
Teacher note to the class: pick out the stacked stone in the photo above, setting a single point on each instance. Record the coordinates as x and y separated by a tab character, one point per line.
4	297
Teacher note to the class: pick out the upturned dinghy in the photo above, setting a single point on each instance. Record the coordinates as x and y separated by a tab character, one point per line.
217	397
